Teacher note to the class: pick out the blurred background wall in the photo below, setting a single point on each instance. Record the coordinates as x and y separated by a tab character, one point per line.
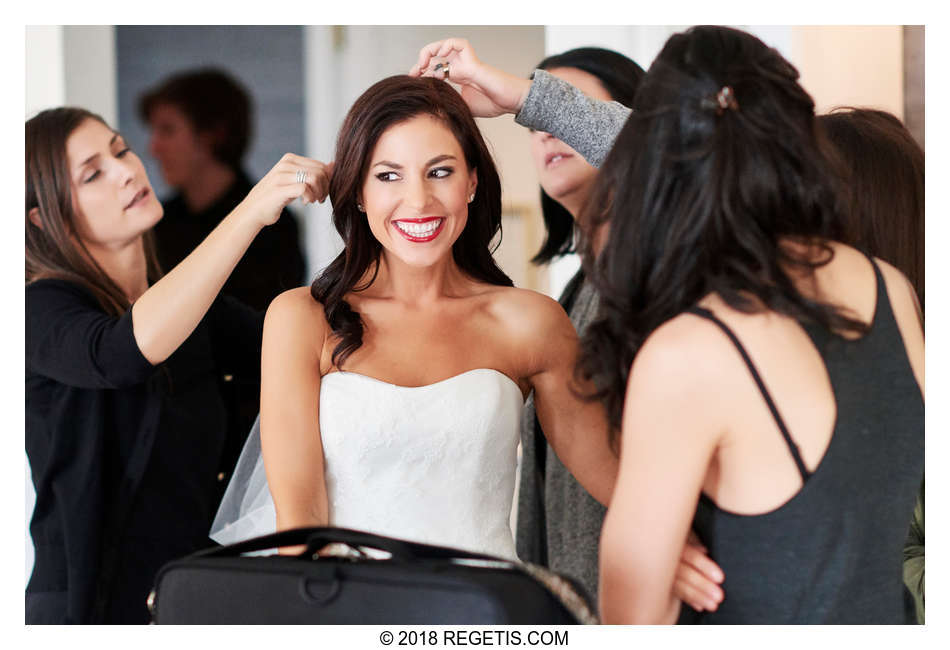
303	80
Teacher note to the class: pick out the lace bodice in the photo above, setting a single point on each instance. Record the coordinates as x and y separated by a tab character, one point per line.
434	464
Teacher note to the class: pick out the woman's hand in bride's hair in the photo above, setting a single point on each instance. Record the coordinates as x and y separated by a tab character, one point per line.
291	178
488	91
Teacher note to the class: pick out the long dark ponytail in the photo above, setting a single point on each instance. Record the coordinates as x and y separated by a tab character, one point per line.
388	102
718	165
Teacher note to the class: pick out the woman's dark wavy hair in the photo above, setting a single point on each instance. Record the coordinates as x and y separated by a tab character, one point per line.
697	199
884	193
386	103
620	77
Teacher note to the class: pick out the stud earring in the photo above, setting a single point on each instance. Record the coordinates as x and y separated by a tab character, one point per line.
359	206
472	197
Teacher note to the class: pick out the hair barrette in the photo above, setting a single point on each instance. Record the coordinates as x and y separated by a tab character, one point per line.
725	98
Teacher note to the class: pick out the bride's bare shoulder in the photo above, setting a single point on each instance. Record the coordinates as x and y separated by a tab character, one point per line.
296	309
529	312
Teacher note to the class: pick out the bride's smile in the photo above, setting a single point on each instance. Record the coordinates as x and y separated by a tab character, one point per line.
420	230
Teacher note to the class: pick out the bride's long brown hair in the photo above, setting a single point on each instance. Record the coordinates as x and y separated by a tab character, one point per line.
52	250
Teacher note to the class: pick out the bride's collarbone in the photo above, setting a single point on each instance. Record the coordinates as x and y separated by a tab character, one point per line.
420	362
424	356
418	347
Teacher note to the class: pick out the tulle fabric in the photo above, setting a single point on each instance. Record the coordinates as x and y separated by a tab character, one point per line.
247	509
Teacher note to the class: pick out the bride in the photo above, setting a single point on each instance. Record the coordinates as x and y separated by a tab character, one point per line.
392	388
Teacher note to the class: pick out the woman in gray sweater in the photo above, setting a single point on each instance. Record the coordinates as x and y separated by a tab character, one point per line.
559	523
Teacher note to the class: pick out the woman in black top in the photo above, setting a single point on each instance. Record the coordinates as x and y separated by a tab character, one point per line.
758	373
124	419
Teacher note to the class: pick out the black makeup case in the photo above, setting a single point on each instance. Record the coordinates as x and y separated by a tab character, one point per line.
360	578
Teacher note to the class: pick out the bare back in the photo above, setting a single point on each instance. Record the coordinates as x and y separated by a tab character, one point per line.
752	471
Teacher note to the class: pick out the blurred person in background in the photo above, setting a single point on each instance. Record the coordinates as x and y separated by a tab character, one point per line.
201	124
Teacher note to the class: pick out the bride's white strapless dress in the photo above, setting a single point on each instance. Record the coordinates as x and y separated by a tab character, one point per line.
433	464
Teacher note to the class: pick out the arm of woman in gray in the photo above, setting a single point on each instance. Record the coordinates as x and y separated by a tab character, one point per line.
546	103
587	125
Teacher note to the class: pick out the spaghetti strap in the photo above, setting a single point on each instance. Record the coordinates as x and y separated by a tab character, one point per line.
882	302
792	447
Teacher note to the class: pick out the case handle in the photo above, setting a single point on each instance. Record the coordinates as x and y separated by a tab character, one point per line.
317	537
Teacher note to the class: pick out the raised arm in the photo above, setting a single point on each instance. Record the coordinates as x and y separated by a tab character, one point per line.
545	102
294	332
166	314
587	125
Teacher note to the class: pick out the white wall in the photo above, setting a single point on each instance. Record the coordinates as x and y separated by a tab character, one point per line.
851	65
321	102
45	74
71	65
90	70
639	42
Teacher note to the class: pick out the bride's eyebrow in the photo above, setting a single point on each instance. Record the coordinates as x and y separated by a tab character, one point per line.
433	161
439	159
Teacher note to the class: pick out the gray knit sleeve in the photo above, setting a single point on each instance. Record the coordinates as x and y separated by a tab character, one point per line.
588	125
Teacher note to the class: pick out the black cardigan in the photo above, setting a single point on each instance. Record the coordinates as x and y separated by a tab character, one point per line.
93	407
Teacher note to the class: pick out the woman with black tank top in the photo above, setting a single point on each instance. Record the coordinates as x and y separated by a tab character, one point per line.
764	377
764	381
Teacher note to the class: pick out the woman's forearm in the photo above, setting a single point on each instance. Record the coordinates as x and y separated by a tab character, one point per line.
168	312
588	125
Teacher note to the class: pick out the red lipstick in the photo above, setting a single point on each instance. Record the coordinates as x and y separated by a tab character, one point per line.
419	230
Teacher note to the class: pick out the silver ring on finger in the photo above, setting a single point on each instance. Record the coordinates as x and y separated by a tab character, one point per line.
444	67
301	176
